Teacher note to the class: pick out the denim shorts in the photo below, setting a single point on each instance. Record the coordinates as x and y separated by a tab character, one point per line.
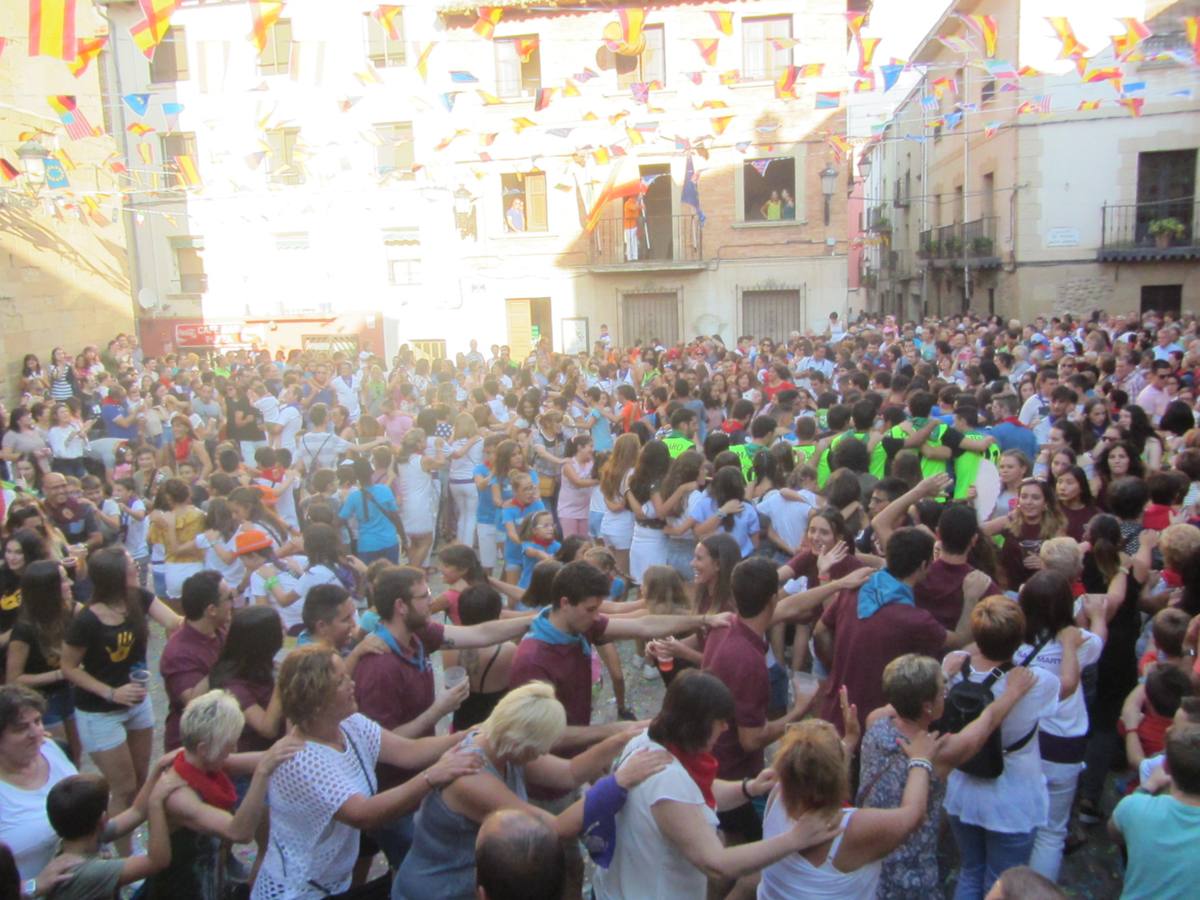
100	731
60	705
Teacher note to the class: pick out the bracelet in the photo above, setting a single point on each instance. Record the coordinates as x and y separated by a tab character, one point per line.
920	763
745	792
29	887
270	583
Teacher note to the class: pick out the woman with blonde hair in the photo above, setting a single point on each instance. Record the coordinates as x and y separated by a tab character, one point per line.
466	452
616	528
813	768
513	748
1035	519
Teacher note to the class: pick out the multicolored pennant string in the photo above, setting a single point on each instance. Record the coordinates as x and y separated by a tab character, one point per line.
72	117
723	20
52	29
1071	47
987	30
1135	33
708	49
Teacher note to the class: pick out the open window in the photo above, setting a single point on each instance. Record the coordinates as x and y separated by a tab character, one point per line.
523	199
769	189
382	49
277	54
518	66
648	66
761	59
170	62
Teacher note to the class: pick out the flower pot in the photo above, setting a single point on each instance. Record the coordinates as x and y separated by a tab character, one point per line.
1162	240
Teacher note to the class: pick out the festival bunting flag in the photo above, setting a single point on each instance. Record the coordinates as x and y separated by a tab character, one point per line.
779	44
449	139
720	123
640	91
617	116
93	212
146	153
999	68
761	166
86	49
733	76
941	85
585	76
986	28
560	132
811	70
156	19
489	18
1191	26
624	37
1135	33
7	170
635	136
52	29
855	21
1085	105
929	102
72	117
864	84
866	53
368	76
828	99
489	138
263	14
723	21
990	129
891	74
448	99
1039	104
570	89
544	95
459	77
955	44
386	17
138	129
1106	74
525	48
840	146
1028	72
488	99
708	49
423	60
63	157
521	123
694	77
954	119
185	166
590	116
1133	104
1071	48
711	104
785	84
600	155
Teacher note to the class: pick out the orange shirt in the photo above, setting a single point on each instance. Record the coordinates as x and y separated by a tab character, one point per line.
632	210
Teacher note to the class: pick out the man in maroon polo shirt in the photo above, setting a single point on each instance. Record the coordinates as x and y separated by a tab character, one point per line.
558	647
864	630
952	586
396	688
192	651
738	656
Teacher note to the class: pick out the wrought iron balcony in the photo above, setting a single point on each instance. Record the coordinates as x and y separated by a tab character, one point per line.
662	242
1150	232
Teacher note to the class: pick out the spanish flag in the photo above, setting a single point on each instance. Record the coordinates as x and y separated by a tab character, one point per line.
624	37
1135	33
708	49
264	14
611	192
866	53
86	49
525	48
1071	47
386	17
986	28
156	19
723	21
1085	105
785	84
489	18
52	29
720	123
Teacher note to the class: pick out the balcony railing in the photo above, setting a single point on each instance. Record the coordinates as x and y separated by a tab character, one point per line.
1166	229
971	242
662	241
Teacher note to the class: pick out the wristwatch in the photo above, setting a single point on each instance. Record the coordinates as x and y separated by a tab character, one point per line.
29	887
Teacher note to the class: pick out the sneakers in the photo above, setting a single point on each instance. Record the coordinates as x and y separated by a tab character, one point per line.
1090	813
649	672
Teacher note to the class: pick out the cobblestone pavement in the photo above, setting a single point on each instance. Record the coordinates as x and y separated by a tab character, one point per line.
1092	872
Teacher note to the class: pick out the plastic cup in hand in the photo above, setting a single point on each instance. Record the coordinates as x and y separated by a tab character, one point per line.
666	662
140	677
805	684
454	676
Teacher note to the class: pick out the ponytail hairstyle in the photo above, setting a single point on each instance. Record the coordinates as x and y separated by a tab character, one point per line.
466	561
1104	535
109	571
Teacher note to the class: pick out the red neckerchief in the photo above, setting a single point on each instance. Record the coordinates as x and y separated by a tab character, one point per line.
1172	578
702	766
542	543
214	788
1013	420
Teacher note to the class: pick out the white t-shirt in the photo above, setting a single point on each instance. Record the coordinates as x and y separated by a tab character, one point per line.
463	468
646	864
1017	801
291	420
308	846
24	826
312	577
1070	718
231	573
135	529
788	517
292	614
320	449
347	394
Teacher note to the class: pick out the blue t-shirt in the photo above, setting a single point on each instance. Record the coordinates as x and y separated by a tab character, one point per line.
485	512
601	431
528	562
375	529
745	523
514	557
1161	835
109	412
506	493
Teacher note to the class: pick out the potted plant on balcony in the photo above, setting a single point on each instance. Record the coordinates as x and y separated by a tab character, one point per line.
1166	230
951	247
981	246
928	249
882	224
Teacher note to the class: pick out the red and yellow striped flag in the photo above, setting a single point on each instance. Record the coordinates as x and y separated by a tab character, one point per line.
264	14
987	29
720	123
146	152
489	18
785	84
624	37
1133	104
1087	104
86	49
52	29
1135	33
708	49
1191	27
1071	47
156	19
93	212
188	174
723	21
386	17
139	129
525	48
866	53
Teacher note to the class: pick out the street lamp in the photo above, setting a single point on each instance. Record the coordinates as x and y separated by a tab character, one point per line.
33	158
864	167
464	213
828	186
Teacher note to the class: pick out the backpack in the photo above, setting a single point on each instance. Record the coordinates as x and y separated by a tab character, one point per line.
966	702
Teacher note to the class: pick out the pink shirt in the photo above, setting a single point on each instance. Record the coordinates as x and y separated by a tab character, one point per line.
573	501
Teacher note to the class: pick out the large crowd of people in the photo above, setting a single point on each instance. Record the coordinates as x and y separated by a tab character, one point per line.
924	599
